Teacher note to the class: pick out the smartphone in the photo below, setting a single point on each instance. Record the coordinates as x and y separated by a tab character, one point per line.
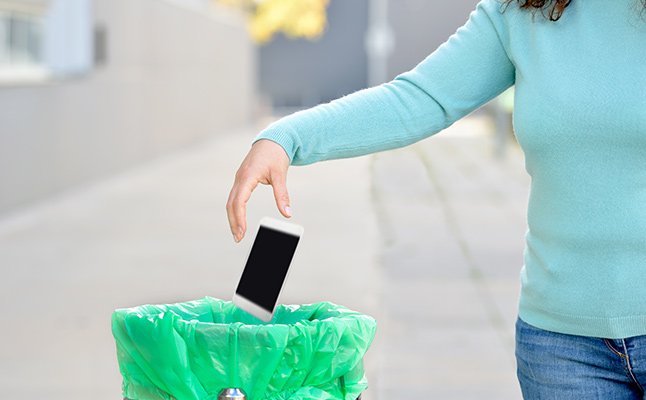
266	269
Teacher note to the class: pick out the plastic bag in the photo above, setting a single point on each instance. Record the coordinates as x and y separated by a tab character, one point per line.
192	350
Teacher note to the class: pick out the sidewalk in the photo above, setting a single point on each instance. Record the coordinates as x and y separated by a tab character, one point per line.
427	239
452	223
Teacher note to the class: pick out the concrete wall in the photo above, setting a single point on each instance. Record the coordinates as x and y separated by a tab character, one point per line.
171	76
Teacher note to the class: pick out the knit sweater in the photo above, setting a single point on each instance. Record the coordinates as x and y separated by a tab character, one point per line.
580	118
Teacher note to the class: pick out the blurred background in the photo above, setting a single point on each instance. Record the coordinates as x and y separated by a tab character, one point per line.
122	123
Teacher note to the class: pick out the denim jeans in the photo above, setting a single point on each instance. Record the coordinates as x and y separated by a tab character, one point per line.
555	366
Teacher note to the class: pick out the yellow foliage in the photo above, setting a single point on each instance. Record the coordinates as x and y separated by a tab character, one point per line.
295	18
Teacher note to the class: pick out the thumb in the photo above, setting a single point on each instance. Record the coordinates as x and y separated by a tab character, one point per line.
279	185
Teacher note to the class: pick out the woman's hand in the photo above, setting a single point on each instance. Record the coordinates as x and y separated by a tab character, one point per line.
266	163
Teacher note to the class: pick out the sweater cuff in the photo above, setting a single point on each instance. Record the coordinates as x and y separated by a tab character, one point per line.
283	137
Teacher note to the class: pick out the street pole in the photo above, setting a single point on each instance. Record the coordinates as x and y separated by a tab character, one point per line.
379	42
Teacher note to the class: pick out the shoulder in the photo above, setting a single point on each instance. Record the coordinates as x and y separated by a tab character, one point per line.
501	11
506	18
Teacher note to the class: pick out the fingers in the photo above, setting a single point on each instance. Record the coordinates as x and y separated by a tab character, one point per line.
279	183
266	163
236	209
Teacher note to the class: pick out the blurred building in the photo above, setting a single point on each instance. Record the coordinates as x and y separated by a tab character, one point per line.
299	73
90	87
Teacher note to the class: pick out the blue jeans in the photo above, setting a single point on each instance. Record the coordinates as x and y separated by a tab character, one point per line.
555	366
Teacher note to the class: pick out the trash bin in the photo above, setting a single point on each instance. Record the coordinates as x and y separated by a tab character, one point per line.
193	350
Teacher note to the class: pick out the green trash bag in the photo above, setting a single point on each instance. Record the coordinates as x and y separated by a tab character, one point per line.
192	350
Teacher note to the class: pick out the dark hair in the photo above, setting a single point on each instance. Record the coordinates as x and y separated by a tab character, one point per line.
551	9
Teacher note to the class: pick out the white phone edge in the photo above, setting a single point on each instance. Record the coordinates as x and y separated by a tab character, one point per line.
246	304
252	308
283	226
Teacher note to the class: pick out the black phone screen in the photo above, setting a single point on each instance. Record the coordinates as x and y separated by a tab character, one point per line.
263	276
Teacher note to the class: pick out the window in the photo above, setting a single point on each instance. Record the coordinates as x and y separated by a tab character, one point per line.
21	44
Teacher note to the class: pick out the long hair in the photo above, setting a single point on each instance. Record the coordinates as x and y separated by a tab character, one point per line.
551	9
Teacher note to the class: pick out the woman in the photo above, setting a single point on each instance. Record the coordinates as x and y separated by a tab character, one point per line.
579	70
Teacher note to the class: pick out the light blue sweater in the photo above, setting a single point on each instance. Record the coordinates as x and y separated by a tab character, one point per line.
580	117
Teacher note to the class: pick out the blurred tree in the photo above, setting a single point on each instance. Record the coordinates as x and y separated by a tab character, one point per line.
295	18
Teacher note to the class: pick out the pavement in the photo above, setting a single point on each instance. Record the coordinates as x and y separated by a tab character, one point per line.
427	239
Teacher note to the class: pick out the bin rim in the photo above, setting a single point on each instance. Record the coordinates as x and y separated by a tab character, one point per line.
340	313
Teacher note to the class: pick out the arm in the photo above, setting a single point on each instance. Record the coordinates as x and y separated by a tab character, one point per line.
471	68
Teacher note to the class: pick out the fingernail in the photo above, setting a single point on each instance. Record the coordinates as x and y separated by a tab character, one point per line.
235	238
288	211
240	230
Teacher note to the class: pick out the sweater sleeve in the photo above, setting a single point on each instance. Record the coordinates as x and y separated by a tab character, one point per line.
471	68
